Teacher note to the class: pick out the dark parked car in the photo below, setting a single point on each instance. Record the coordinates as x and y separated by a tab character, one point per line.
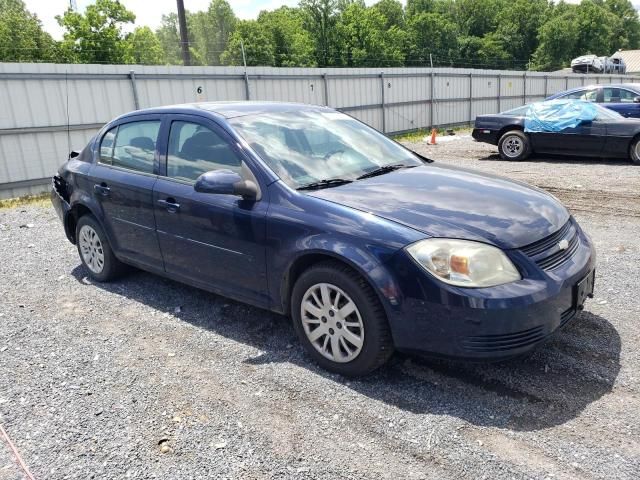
623	98
609	135
308	212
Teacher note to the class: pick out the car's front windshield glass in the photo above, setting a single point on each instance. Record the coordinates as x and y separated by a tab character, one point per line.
309	146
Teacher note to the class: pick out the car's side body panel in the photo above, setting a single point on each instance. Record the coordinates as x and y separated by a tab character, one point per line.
301	225
600	138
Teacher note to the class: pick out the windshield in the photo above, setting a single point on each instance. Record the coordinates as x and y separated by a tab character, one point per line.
309	146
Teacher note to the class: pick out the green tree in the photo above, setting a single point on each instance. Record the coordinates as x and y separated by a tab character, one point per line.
293	45
320	18
258	45
168	34
22	38
575	30
392	11
432	33
475	18
415	7
212	30
144	48
362	34
484	52
518	24
627	30
96	36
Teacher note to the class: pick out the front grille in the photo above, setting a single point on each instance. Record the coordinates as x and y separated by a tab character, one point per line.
546	253
508	341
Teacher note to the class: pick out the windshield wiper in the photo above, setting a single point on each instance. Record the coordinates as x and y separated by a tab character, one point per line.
384	169
326	183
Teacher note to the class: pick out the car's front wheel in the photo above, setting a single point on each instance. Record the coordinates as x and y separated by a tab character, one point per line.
634	151
514	145
95	251
339	320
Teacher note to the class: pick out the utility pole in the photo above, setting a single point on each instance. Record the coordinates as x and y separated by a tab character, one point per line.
246	75
184	37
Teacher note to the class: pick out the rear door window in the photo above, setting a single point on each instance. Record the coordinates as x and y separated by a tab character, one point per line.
131	146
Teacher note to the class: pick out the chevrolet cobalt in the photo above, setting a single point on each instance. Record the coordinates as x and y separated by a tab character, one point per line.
305	211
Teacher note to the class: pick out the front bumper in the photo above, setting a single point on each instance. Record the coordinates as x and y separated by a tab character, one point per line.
488	323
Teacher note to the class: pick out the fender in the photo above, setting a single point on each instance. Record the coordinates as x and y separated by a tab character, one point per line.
79	201
322	247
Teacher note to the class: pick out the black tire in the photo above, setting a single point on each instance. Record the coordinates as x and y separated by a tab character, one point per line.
514	145
377	344
634	153
112	267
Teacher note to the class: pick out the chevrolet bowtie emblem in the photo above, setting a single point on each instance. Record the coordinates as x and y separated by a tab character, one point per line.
563	244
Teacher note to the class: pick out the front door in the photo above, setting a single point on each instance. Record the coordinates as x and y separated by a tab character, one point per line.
217	241
122	184
585	139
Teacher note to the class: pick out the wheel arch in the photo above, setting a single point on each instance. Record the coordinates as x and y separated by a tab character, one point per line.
308	259
508	128
76	211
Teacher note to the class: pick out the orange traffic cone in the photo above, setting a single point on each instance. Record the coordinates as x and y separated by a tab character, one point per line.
433	136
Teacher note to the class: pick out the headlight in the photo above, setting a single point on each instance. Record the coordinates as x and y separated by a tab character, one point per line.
464	263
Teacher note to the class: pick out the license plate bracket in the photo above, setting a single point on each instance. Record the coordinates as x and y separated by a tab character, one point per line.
583	290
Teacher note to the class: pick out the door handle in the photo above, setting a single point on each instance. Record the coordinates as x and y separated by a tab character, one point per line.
170	204
102	189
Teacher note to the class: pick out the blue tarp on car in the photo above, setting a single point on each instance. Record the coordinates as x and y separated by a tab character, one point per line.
556	115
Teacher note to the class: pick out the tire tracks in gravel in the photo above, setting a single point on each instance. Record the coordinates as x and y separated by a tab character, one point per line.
619	204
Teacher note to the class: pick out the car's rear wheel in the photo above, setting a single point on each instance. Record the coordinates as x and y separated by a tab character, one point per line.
339	320
95	252
634	151
514	145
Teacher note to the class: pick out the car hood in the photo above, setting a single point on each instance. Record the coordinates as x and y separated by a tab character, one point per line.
444	201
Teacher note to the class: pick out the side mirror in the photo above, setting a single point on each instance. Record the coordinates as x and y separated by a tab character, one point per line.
226	182
636	99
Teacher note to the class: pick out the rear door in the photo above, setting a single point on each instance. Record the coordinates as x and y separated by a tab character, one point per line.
122	183
622	101
217	241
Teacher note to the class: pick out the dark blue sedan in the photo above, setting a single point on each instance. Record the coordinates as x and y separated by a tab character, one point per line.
308	212
623	98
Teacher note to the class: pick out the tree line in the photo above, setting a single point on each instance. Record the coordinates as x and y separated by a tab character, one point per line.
514	34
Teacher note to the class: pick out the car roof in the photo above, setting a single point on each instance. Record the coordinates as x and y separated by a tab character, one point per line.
229	109
632	86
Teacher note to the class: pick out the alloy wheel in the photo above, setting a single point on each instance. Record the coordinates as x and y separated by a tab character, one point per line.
332	322
91	249
512	146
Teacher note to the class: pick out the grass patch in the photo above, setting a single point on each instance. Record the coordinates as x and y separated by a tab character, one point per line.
41	200
419	135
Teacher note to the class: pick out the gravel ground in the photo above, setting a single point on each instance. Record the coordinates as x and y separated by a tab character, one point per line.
146	378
